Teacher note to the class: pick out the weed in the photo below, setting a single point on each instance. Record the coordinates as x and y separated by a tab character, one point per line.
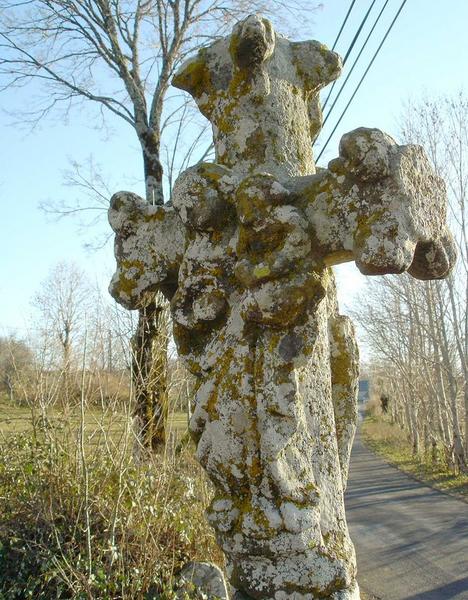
89	521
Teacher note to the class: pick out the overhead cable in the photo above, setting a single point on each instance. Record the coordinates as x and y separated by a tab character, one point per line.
343	24
354	63
362	78
353	42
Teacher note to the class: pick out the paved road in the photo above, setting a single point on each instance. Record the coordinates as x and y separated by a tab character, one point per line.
411	541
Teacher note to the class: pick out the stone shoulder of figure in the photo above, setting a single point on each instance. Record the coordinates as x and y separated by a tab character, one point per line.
201	197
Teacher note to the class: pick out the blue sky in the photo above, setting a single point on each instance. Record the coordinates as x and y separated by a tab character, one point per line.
426	52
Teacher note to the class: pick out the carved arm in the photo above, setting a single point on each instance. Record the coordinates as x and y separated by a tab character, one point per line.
381	205
149	244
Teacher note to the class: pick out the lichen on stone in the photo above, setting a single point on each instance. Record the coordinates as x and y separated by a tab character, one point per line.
244	254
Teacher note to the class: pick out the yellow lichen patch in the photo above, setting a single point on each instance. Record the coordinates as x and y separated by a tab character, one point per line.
256	147
261	271
195	77
342	362
225	122
320	184
157	215
336	545
211	171
233	44
240	85
125	285
222	381
274	339
364	226
128	264
255	469
263	244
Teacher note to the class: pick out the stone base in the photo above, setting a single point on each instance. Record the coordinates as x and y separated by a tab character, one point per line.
308	575
206	581
342	595
202	580
353	594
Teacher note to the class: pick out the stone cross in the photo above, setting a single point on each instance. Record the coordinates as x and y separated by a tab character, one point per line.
244	255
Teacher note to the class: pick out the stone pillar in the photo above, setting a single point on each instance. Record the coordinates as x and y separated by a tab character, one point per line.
245	254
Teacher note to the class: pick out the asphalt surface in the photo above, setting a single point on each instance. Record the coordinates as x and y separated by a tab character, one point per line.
411	541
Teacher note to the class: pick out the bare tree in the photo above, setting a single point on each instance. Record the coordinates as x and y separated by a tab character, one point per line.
121	55
441	124
118	54
62	304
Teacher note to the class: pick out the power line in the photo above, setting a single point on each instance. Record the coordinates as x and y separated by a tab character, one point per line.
362	78
354	63
353	42
343	24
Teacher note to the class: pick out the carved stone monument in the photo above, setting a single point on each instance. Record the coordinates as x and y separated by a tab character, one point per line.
244	255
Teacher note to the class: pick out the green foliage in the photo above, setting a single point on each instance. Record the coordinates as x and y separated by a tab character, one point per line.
89	522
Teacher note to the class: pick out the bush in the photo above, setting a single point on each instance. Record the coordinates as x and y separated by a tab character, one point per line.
80	519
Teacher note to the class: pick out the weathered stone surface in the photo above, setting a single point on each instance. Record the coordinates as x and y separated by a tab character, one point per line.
203	581
382	205
254	310
149	245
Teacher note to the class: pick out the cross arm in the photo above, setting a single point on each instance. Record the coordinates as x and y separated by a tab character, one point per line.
149	244
381	205
316	65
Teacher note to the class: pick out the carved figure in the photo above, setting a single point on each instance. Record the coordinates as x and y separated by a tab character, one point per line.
244	254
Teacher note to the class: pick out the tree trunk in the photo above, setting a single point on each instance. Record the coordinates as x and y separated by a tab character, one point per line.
441	402
461	348
66	372
150	144
10	387
151	338
458	448
150	374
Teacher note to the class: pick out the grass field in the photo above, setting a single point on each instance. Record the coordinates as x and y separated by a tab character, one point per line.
17	419
391	443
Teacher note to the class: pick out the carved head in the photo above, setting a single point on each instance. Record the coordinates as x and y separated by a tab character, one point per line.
252	42
261	93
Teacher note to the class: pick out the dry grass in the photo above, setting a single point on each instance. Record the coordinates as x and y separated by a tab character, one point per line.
19	419
366	596
80	518
392	444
